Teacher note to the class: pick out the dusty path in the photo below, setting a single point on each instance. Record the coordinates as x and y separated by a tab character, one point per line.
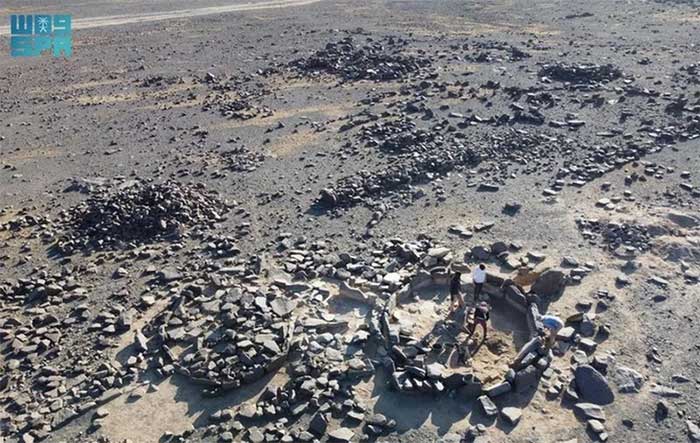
113	20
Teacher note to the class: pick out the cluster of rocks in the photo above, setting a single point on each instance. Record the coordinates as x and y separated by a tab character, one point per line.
581	73
227	336
241	159
25	220
321	385
239	109
53	372
160	80
481	52
381	274
596	161
375	60
323	368
138	212
397	136
366	185
624	239
235	98
417	156
691	73
535	151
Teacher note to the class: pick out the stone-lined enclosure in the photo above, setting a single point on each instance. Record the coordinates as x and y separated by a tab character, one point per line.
289	323
231	326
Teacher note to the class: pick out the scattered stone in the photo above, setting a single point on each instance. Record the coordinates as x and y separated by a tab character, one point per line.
488	406
341	434
512	415
693	431
627	380
589	411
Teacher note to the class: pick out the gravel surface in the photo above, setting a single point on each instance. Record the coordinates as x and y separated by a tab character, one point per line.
214	226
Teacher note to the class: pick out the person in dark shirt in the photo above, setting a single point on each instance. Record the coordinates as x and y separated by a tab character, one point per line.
456	300
482	314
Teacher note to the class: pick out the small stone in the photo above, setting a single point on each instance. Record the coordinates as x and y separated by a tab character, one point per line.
693	431
512	415
255	435
596	426
589	411
341	434
318	424
248	410
662	410
663	391
488	406
627	380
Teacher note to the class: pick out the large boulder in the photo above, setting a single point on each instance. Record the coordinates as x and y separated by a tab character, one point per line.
549	283
481	253
592	386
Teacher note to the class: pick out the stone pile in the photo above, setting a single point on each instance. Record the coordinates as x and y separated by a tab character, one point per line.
235	98
581	73
159	80
238	109
376	60
523	147
691	73
138	212
322	376
226	337
418	156
492	51
53	368
621	238
241	159
398	136
365	185
383	274
590	162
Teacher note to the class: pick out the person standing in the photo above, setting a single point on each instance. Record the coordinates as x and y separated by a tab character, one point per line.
456	300
482	314
479	278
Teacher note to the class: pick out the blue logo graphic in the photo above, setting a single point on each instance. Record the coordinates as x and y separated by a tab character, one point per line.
31	35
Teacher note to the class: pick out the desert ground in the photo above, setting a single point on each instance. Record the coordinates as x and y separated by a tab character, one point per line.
238	221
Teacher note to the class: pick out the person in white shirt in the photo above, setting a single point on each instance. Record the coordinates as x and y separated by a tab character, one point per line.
479	278
552	325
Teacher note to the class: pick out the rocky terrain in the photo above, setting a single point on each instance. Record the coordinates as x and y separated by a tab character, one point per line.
238	223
